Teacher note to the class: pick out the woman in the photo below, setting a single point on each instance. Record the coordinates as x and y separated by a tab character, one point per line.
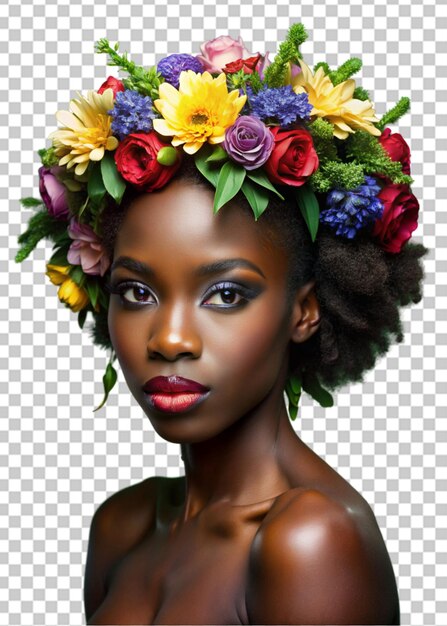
260	530
212	314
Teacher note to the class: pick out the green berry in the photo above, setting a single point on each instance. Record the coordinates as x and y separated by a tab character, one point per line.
167	156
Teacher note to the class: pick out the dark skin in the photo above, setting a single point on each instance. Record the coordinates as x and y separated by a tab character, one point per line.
260	530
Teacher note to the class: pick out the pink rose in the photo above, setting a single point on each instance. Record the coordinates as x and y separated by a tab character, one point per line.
86	249
397	148
399	218
224	49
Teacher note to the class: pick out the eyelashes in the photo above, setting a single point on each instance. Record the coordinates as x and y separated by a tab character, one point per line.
222	295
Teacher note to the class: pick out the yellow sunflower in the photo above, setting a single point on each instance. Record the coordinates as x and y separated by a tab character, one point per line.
87	132
69	292
336	104
199	111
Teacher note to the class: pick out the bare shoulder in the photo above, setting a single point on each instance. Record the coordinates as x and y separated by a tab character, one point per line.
317	560
118	524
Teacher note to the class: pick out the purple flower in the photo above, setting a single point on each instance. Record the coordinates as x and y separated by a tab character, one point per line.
248	142
86	249
52	192
348	211
171	66
132	113
281	104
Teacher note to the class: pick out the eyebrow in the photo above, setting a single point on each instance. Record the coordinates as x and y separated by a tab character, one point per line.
204	270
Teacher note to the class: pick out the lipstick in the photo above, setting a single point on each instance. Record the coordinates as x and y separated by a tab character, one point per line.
174	394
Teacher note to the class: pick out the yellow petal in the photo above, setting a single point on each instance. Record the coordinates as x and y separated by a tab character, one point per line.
97	154
191	148
81	167
162	127
69	120
166	91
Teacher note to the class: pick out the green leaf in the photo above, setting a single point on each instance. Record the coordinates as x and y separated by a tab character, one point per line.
95	186
81	317
30	202
230	180
77	274
260	177
208	171
293	411
311	385
112	179
92	290
309	207
218	154
257	197
109	379
59	257
295	384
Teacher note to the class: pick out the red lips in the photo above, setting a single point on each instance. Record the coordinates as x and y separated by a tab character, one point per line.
173	384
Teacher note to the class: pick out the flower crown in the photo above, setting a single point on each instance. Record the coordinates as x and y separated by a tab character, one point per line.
251	125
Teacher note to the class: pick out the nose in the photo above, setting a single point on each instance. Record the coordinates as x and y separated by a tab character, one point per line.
173	335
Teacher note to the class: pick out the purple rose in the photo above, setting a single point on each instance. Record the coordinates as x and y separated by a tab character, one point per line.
249	142
53	192
86	249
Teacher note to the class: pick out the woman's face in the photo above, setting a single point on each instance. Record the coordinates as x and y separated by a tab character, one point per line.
211	307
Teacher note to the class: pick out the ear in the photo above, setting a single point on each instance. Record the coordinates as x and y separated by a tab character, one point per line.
305	313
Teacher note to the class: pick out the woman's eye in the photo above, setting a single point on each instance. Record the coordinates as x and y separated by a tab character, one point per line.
133	293
225	297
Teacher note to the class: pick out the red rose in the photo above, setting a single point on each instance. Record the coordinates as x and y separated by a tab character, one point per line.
293	158
112	83
248	65
397	148
136	161
399	218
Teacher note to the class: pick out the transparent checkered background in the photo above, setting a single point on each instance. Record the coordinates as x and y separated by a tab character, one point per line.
59	460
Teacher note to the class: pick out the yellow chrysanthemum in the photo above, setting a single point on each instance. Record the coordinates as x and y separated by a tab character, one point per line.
336	104
69	292
87	132
199	111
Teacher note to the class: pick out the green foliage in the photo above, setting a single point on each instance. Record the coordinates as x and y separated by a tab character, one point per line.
206	168
48	156
366	150
146	82
391	117
41	225
322	133
112	179
309	207
231	177
336	174
312	386
259	177
345	71
289	51
258	197
324	65
76	201
255	82
293	391
361	94
109	379
30	202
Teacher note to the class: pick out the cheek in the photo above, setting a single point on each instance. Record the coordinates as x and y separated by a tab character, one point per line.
250	350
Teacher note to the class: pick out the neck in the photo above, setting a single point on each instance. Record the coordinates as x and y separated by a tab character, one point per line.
244	464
